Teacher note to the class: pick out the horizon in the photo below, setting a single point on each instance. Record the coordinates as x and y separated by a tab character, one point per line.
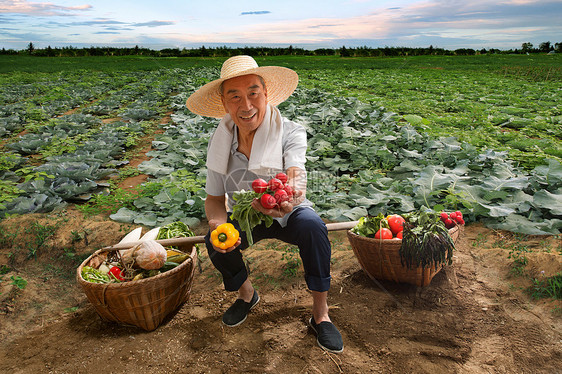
241	46
450	25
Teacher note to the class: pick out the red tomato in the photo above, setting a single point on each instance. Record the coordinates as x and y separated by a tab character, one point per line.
282	177
259	185
268	201
396	223
384	233
118	273
399	235
281	196
274	184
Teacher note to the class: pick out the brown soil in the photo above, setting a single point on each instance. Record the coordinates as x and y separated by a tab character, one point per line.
472	318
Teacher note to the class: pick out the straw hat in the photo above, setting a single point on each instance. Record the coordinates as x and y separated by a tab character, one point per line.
279	81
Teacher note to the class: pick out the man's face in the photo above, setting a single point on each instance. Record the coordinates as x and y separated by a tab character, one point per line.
245	99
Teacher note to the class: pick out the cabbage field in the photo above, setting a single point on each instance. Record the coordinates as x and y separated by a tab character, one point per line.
481	134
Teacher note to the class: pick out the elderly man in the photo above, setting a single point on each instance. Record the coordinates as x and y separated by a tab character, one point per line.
253	141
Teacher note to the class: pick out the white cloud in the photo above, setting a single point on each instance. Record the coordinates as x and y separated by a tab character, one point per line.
447	23
479	20
38	9
153	23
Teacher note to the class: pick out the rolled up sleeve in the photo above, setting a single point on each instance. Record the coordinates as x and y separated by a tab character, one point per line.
294	154
215	183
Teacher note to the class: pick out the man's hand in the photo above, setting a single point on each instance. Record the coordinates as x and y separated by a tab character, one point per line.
283	208
238	242
213	224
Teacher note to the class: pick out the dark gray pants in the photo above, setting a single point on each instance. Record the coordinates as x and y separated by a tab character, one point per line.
304	229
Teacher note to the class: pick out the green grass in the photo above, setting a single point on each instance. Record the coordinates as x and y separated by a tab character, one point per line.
504	64
550	287
30	64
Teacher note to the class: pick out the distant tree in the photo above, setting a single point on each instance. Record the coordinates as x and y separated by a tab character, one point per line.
344	52
527	47
545	47
465	51
558	47
30	48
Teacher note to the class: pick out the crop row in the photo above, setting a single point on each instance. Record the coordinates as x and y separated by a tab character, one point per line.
484	107
66	148
362	159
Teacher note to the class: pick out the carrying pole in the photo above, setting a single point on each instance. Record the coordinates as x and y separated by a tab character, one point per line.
335	226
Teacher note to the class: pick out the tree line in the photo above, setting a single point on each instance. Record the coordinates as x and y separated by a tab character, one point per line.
225	51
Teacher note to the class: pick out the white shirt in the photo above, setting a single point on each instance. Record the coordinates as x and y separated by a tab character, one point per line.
238	177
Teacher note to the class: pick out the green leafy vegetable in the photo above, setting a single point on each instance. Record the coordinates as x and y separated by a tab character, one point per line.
176	229
94	275
248	217
368	226
426	241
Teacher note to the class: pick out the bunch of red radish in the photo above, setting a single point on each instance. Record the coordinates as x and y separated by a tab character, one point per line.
452	219
275	191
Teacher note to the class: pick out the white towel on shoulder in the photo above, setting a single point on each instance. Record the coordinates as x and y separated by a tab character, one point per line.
267	146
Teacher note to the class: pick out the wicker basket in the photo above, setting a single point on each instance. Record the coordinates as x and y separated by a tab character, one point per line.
143	303
380	259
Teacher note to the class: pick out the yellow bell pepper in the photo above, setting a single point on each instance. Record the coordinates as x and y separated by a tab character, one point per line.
224	236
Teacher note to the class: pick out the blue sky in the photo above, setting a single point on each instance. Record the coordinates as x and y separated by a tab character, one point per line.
312	24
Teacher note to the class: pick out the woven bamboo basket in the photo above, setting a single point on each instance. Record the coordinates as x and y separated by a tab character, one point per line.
144	303
380	259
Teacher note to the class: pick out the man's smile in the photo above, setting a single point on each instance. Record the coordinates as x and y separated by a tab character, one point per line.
248	117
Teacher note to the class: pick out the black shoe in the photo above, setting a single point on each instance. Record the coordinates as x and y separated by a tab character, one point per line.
327	336
238	312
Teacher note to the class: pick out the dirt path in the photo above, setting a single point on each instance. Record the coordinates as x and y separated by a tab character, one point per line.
471	319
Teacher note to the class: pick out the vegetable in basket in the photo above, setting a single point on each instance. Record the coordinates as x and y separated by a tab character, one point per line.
370	225
174	230
178	229
426	240
149	255
94	275
116	273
